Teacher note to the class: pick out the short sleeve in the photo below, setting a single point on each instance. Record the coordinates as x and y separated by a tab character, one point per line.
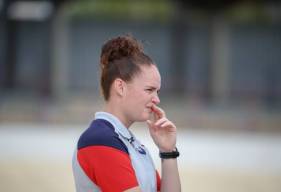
108	167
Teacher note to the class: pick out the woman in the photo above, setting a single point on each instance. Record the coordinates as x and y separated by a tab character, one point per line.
108	156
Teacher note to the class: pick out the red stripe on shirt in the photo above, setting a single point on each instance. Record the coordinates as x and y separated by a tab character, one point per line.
107	167
158	180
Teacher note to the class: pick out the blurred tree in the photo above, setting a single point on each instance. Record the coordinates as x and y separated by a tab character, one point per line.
124	10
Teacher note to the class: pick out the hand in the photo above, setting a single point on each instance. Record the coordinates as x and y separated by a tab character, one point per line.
162	131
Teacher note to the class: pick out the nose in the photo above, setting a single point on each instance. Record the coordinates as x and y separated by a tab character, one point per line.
155	99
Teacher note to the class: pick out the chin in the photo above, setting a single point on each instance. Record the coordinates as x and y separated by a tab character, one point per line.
142	118
145	116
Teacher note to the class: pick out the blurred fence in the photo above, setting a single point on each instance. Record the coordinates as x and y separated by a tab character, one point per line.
212	57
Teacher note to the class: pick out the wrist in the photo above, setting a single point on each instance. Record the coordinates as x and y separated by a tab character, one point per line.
166	150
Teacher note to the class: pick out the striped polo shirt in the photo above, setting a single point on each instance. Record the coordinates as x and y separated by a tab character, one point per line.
108	157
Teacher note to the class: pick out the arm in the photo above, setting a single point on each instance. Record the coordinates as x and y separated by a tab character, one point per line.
170	175
163	133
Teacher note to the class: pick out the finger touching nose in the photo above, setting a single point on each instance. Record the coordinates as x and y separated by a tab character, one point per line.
156	100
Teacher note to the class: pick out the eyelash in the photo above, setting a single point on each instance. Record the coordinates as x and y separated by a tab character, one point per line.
151	90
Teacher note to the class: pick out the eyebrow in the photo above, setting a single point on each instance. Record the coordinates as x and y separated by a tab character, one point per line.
152	87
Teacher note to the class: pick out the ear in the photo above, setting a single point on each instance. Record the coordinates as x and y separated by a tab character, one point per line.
119	86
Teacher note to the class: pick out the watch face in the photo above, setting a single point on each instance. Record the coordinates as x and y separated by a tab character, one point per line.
169	155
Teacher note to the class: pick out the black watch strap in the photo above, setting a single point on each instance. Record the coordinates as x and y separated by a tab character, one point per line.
169	155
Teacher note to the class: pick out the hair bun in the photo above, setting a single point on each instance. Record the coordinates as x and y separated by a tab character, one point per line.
120	47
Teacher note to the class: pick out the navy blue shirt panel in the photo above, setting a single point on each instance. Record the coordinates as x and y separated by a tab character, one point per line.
101	132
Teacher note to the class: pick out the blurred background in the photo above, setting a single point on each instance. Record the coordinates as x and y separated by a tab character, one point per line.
220	63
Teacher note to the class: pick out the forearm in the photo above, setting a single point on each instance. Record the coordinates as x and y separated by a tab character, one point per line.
163	133
170	176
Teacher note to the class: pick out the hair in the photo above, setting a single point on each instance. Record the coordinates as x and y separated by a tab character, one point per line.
121	57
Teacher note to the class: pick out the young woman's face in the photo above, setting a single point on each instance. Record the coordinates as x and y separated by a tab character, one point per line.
142	93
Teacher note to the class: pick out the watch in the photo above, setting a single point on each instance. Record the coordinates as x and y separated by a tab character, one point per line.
169	155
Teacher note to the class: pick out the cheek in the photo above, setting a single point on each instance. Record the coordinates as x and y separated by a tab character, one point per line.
135	100
138	99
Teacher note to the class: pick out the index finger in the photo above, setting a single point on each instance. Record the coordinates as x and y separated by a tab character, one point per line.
159	112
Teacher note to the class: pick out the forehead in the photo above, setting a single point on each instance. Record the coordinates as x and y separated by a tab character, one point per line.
149	76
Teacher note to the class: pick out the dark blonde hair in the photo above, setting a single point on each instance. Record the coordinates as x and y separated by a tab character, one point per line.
121	57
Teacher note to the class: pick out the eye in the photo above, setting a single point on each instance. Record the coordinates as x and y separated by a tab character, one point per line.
149	90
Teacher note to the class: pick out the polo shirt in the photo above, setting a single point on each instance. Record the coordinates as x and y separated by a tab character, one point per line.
109	157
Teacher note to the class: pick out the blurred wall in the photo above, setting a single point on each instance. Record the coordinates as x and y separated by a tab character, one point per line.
222	59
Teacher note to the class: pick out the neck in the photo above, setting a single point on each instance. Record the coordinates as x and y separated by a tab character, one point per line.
115	110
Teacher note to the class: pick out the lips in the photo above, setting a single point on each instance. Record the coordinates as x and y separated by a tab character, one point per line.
149	109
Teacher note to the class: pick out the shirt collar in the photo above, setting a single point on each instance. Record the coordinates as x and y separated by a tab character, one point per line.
117	124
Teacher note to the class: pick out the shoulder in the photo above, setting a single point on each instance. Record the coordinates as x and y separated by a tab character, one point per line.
101	133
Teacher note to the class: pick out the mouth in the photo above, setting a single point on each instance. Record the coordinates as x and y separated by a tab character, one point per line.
149	108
